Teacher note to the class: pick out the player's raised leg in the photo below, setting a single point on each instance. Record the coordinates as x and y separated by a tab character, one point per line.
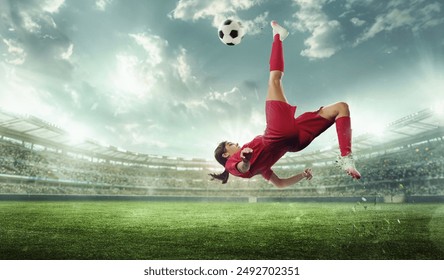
340	113
275	89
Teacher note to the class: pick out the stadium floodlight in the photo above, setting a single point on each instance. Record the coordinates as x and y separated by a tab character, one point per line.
77	134
438	108
375	129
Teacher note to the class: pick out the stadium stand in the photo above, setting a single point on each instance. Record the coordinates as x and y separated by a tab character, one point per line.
38	158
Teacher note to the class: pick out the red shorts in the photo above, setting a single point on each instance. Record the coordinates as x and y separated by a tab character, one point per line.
286	132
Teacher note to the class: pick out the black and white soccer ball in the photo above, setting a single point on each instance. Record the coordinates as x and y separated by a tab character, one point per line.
231	32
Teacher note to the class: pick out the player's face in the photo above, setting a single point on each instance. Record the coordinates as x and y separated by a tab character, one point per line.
231	148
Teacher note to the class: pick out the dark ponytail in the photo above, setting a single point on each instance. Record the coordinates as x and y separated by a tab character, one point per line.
218	154
222	176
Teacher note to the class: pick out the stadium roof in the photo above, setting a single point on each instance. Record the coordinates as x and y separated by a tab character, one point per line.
421	126
36	131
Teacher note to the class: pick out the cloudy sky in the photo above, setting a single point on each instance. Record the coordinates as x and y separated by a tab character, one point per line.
152	76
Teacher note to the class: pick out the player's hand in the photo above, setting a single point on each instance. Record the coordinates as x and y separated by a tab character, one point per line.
307	174
246	154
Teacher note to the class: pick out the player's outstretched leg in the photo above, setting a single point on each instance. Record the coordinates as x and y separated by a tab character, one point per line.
275	89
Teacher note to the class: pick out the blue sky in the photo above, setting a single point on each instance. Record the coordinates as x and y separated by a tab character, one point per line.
153	77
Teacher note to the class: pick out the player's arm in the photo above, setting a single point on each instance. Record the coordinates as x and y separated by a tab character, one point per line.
244	165
282	183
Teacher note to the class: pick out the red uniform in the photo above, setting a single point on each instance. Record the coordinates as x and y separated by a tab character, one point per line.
283	133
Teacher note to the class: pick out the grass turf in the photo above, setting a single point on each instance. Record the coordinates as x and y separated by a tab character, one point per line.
142	230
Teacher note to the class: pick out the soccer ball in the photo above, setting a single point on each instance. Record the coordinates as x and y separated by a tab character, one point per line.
231	32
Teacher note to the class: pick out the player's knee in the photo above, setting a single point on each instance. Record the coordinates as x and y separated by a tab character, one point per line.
343	108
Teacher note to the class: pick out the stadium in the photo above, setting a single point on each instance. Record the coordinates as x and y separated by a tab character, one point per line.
89	201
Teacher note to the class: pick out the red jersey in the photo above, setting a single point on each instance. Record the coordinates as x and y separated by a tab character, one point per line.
262	159
283	133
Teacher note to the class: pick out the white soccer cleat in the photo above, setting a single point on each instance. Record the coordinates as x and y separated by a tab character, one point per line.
347	164
277	29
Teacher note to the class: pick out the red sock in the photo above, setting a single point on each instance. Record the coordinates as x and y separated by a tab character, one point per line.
343	129
277	55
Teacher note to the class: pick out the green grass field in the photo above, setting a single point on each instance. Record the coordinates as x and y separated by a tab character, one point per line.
147	230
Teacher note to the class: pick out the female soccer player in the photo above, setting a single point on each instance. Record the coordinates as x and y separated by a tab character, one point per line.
283	132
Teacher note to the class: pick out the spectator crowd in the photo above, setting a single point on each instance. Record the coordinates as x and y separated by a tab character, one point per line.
24	169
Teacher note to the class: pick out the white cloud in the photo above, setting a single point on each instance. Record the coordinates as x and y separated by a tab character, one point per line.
427	16
325	33
78	132
52	6
18	96
415	15
34	40
153	46
37	18
102	4
66	55
232	96
322	43
17	54
183	68
255	26
196	105
218	11
29	23
75	96
357	22
387	22
136	74
194	10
